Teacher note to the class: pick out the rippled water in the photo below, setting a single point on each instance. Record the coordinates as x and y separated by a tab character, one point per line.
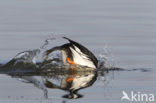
122	30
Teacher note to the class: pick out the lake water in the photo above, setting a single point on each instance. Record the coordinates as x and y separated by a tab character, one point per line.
126	29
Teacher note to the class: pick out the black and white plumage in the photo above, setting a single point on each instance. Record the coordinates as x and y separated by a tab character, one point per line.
77	53
80	81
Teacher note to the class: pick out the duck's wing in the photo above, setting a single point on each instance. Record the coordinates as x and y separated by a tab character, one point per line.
84	50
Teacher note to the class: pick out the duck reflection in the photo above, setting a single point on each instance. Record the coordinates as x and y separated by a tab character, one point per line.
66	79
73	83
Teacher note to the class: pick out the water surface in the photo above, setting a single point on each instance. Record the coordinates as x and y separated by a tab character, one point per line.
125	27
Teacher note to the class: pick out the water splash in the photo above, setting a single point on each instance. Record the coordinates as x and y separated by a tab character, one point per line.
27	56
106	58
47	41
32	56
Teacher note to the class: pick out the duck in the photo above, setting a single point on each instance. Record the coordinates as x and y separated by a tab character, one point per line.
73	53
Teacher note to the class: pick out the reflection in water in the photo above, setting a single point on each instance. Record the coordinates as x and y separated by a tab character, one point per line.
65	79
73	83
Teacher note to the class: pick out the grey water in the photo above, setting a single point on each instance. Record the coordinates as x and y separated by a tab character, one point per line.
121	30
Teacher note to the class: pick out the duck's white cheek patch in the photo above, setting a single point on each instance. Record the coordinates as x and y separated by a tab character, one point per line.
80	60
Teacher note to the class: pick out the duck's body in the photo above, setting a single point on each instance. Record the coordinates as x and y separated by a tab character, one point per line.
75	53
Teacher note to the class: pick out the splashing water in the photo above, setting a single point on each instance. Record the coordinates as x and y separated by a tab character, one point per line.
31	56
27	56
105	58
46	42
